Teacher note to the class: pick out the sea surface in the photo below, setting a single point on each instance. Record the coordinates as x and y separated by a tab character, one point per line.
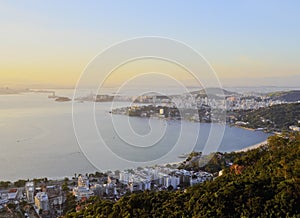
38	139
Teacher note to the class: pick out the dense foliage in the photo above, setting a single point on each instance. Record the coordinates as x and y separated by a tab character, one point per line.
211	163
266	185
288	96
274	117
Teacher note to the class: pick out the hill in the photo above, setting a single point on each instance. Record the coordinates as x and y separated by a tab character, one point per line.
7	91
263	182
214	91
287	96
276	117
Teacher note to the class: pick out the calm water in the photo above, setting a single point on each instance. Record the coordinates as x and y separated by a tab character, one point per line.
37	138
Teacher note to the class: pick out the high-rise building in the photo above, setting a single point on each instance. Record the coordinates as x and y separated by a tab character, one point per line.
29	189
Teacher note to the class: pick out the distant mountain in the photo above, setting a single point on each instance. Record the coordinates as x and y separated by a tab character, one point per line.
214	91
6	91
288	96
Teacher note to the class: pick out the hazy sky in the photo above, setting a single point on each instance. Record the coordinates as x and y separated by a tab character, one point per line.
49	43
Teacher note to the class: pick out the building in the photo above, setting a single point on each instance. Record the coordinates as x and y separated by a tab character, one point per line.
83	181
29	189
147	185
125	177
82	191
98	189
161	111
41	201
12	194
295	128
173	181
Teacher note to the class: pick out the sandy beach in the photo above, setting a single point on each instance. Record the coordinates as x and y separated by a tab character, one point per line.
253	146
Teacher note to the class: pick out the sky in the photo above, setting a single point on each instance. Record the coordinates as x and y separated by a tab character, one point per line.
248	43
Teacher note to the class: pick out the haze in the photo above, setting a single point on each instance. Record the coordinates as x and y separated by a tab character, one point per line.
49	43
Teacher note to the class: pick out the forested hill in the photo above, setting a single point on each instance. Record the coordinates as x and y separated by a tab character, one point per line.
264	182
288	96
274	117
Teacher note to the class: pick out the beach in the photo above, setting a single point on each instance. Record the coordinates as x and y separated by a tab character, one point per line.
253	146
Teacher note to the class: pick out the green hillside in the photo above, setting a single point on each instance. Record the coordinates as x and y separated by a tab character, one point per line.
288	96
264	182
214	91
274	117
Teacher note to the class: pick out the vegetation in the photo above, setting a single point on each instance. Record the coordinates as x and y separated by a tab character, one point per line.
20	183
4	184
288	96
276	117
70	204
211	163
263	182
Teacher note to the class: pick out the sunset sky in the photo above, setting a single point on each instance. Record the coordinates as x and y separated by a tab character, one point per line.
248	43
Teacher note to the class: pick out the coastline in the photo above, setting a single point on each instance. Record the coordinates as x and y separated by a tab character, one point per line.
251	147
246	128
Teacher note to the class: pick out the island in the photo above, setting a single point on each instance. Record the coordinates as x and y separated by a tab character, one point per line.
62	99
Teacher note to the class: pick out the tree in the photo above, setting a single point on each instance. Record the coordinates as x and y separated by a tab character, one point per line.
268	186
20	183
70	203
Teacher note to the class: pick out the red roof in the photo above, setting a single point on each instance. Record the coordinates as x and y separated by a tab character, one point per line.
13	190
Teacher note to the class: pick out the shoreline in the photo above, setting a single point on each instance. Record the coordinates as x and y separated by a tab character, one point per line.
251	147
246	128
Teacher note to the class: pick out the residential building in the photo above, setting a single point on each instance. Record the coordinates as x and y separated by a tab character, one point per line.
29	189
41	201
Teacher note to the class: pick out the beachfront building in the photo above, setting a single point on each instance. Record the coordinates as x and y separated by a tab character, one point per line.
173	181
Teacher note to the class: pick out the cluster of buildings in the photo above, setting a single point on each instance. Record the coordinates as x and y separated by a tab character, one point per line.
249	102
82	190
47	201
196	107
34	196
150	178
229	103
214	98
89	186
44	199
9	196
161	177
